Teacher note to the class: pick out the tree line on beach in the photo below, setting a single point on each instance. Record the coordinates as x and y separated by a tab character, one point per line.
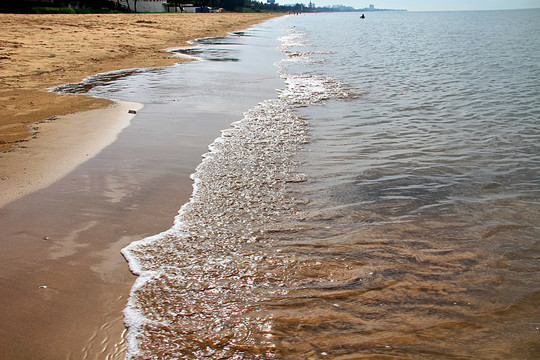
106	6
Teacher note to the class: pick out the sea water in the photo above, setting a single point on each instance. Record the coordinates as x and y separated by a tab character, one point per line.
382	201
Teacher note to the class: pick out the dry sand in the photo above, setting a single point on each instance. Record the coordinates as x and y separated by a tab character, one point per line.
63	282
38	52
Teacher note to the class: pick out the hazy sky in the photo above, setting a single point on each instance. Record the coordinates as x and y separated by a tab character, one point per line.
427	5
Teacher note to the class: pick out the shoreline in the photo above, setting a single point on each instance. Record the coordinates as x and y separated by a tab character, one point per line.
47	53
64	281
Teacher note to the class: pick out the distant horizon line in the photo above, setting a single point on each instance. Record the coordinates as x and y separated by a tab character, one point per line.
435	10
408	10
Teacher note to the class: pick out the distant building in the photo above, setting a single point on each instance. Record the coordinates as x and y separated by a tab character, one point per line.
153	6
371	7
145	5
342	8
271	1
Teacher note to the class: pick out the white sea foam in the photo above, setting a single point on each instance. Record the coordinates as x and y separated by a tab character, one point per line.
200	282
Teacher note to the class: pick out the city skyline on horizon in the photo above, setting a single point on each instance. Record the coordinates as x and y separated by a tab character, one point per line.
425	5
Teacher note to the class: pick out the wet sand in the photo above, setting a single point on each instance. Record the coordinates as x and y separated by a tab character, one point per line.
55	150
63	282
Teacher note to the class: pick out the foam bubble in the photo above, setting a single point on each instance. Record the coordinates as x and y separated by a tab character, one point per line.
202	282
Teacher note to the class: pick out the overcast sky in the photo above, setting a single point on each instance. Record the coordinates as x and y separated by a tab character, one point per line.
427	5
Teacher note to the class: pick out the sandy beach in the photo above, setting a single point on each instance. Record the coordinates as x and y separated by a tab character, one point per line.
63	282
38	52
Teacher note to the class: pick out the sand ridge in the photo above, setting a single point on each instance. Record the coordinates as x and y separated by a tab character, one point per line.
55	151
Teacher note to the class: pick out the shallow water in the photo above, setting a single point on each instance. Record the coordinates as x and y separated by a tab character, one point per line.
383	202
419	238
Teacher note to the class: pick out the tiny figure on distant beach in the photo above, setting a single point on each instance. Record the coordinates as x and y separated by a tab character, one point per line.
362	17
